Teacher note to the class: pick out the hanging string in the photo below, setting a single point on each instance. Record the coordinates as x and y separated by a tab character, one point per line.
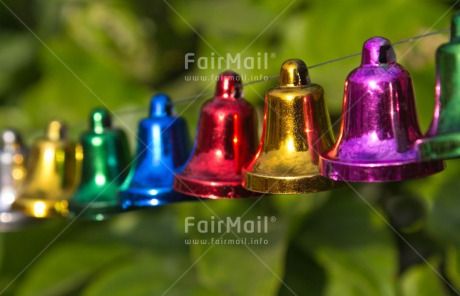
268	78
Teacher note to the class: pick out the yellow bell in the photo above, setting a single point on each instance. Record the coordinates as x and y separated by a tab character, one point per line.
296	131
54	169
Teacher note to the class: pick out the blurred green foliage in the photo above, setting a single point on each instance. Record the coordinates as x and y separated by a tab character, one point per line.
61	58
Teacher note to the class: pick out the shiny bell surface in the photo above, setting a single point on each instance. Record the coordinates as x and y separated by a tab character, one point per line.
379	123
296	130
162	149
104	167
53	173
12	174
442	140
226	140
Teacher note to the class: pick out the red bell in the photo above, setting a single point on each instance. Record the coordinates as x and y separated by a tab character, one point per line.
226	140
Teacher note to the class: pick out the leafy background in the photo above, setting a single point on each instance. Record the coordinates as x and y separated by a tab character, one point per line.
63	57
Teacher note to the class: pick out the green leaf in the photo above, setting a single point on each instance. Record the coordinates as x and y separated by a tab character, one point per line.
443	219
421	280
148	274
303	274
17	52
453	266
238	263
66	267
354	246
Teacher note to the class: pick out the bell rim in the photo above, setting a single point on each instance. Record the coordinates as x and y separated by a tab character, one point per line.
206	190
90	210
268	184
139	198
17	221
52	208
147	192
376	173
434	148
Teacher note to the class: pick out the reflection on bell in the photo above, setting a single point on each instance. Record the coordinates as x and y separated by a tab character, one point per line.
379	123
53	172
442	140
296	130
105	165
226	139
162	148
12	174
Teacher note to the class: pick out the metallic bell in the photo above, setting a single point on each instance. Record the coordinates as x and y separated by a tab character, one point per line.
53	173
379	123
12	174
226	140
162	149
442	140
296	130
105	166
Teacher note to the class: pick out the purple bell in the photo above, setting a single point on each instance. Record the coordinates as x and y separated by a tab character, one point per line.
379	123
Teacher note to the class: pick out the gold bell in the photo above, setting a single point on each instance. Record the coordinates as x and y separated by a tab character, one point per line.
54	168
296	131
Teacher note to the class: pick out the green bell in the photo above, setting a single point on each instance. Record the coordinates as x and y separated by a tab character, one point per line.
442	140
105	165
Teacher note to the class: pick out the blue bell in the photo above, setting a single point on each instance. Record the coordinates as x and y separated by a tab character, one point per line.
104	168
162	149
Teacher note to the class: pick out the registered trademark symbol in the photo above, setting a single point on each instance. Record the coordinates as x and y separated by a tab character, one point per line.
272	219
273	55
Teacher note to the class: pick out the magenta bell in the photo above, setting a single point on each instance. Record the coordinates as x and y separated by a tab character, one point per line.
379	123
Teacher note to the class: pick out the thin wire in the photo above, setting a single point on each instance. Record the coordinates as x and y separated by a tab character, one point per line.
422	36
355	55
267	78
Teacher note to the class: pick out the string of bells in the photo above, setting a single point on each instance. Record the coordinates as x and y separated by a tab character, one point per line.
379	141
